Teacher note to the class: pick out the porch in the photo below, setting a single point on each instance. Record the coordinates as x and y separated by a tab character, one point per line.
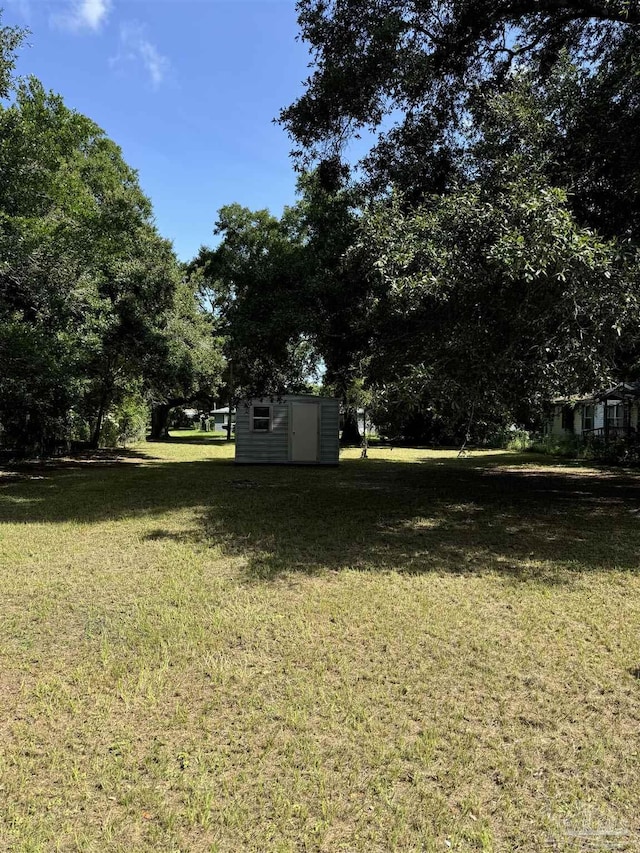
610	431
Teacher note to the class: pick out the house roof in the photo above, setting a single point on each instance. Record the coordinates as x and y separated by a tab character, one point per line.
621	391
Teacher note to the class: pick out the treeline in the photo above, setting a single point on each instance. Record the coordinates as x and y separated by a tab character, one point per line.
483	257
479	261
98	322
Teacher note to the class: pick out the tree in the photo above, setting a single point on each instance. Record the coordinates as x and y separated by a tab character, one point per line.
575	129
422	66
83	276
337	292
11	38
186	361
500	199
137	289
290	292
495	301
256	280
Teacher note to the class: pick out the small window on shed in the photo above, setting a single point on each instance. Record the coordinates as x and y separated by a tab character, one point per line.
261	419
587	418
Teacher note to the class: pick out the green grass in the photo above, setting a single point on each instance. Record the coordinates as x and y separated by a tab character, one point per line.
410	652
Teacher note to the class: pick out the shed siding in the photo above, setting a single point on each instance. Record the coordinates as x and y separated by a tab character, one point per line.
273	447
330	433
265	447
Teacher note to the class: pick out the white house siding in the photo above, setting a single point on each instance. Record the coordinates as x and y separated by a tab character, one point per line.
556	421
598	416
577	420
554	425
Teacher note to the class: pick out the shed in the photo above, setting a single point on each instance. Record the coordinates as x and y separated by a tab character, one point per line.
295	429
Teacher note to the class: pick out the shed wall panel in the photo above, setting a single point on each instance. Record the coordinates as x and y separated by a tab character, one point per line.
330	432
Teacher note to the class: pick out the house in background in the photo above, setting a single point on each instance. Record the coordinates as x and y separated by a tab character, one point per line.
219	418
605	415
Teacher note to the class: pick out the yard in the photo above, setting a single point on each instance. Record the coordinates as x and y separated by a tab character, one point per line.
406	653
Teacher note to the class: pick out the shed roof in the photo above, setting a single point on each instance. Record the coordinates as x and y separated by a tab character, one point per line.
286	398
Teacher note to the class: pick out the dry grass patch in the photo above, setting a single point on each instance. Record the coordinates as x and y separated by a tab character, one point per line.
412	653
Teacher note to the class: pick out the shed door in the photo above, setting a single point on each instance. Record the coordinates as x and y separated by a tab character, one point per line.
304	432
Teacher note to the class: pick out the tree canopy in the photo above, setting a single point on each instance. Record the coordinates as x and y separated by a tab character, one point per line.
482	257
254	277
465	279
498	205
88	289
429	57
419	74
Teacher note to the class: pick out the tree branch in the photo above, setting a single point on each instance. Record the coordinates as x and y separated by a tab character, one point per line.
602	10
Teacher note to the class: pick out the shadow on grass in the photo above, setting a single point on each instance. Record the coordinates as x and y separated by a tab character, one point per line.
110	456
196	438
478	514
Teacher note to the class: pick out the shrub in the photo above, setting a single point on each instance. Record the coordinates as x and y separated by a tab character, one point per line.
127	423
619	451
569	446
518	439
510	438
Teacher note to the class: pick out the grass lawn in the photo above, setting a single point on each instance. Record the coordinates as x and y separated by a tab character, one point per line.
406	653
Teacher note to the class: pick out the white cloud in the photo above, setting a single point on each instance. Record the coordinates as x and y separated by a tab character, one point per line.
84	15
156	64
136	49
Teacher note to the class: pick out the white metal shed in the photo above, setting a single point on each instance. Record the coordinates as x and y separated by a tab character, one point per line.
295	429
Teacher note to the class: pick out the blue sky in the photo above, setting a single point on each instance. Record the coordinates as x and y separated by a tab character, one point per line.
187	88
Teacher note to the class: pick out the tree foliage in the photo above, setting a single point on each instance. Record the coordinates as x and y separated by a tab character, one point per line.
418	74
255	277
495	301
88	289
428	57
289	292
497	242
186	364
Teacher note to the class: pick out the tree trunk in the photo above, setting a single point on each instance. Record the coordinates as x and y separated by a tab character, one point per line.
350	432
95	439
160	421
365	438
160	415
230	399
